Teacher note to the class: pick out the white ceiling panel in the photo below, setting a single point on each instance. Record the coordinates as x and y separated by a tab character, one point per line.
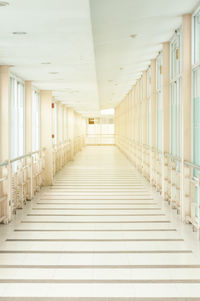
93	59
59	32
120	59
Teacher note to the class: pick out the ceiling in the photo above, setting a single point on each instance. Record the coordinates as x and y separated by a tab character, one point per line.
96	49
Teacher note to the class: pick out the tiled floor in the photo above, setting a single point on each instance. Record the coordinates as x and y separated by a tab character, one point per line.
99	233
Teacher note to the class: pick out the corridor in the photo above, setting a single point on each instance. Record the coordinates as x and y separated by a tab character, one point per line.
99	233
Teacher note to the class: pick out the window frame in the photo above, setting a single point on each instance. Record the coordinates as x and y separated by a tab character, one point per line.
17	81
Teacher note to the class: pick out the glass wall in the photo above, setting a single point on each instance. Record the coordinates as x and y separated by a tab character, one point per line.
175	94
196	90
196	101
159	103
141	108
55	124
17	103
35	121
61	122
149	106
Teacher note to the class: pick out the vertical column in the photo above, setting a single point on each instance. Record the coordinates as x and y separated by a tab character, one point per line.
5	188
28	134
53	122
153	121
134	123
46	125
59	123
166	115
28	116
144	120
71	130
4	113
65	123
186	107
144	107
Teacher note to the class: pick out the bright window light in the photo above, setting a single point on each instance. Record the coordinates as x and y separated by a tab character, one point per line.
108	112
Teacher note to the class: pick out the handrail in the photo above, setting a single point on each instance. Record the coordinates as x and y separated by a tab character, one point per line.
100	135
20	158
172	157
5	163
193	165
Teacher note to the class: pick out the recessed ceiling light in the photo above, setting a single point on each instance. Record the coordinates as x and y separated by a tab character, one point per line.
2	3
133	36
19	33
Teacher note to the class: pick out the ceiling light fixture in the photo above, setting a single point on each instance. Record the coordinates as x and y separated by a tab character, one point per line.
133	36
53	72
2	3
46	63
19	33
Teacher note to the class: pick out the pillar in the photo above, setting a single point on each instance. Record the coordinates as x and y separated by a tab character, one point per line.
28	116
186	106
166	113
65	123
153	118
4	113
46	127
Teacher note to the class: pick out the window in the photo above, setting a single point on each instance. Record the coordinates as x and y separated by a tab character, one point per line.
196	102
141	104
61	124
55	124
35	121
17	117
196	90
175	94
149	106
196	117
196	38
159	105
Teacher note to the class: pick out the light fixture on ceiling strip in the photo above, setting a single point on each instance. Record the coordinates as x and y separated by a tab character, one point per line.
20	33
133	36
2	3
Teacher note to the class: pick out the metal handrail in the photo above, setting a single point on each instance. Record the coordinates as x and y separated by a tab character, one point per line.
174	158
5	163
193	165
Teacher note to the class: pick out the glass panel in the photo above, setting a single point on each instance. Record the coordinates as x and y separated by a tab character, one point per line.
173	120
159	126
175	56
196	119
35	121
141	124
197	201
175	95
196	38
149	107
61	123
17	118
55	124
